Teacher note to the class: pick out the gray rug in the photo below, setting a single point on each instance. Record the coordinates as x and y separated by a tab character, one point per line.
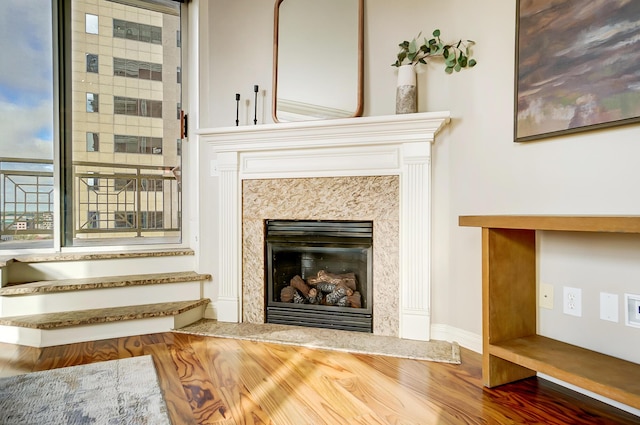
112	392
353	342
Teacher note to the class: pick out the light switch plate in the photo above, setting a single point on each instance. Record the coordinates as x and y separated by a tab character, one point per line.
609	307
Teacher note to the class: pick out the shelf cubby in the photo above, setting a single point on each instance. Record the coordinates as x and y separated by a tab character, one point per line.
512	350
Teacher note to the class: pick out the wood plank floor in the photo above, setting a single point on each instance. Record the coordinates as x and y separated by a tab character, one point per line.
224	381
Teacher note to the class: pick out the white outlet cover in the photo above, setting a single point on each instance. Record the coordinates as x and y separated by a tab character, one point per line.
609	307
572	301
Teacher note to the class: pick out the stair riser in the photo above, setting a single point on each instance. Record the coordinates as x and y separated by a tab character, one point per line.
99	298
47	338
30	272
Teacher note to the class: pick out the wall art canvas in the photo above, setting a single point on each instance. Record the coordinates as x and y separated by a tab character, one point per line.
577	66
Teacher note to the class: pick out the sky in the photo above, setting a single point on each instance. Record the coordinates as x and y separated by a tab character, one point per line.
26	81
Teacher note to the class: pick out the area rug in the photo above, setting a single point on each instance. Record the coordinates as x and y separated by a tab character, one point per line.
122	391
349	341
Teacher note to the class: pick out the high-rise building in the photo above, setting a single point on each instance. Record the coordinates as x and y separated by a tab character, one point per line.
126	145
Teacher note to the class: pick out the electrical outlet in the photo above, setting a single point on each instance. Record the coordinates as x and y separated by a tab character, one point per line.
546	296
572	301
632	310
609	307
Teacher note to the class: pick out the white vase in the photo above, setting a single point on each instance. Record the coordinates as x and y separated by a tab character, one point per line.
406	90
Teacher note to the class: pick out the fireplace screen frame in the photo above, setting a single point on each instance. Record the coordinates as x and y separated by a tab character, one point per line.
320	238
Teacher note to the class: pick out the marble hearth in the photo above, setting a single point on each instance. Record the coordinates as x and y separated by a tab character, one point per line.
373	168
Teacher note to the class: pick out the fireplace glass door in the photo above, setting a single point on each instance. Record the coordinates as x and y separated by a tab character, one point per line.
319	274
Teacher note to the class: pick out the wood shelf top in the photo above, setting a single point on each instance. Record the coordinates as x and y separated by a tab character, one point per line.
570	223
602	374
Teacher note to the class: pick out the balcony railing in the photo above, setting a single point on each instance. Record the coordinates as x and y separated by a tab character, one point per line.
109	200
27	199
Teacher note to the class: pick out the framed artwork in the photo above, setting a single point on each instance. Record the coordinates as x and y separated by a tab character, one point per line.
577	66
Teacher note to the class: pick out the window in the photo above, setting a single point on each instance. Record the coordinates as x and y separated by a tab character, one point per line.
92	63
93	102
151	220
93	219
119	28
152	145
151	185
137	107
178	39
144	70
93	142
121	184
91	23
156	72
119	67
178	147
179	75
137	31
137	69
125	144
27	126
137	144
93	183
146	184
68	200
132	30
156	35
124	220
156	109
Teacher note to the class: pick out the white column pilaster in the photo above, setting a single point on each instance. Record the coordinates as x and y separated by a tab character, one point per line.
228	305
415	241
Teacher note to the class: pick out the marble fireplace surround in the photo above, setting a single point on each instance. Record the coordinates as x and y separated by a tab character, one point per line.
383	160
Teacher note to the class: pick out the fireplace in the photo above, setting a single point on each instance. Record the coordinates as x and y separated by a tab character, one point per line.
319	273
260	172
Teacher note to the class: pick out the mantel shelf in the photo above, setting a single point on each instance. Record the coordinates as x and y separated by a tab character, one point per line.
361	131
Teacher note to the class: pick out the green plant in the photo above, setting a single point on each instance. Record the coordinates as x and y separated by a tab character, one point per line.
456	55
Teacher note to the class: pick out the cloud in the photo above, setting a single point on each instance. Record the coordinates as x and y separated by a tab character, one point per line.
26	81
26	46
21	127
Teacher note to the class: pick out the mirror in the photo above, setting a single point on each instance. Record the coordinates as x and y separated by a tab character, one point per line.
318	59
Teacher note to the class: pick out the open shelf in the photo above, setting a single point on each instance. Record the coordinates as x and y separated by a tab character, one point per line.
511	348
599	373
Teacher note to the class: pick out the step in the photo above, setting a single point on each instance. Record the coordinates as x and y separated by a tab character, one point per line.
100	315
114	291
92	256
66	285
43	330
67	265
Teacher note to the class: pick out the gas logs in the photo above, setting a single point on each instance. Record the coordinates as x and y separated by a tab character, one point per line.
325	289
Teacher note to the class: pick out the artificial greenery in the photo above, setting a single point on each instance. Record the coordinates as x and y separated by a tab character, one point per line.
456	55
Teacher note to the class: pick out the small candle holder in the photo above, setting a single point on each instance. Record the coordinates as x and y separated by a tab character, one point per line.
255	105
237	109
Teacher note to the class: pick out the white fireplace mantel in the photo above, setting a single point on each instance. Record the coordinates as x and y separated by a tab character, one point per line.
368	146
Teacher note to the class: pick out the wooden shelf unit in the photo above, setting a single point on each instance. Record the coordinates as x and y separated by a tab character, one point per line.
512	350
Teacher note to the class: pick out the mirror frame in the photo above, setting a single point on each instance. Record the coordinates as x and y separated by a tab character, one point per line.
360	71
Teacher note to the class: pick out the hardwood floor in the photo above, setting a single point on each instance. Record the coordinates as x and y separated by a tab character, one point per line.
223	381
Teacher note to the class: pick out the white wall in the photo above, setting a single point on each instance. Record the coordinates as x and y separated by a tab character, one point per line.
478	169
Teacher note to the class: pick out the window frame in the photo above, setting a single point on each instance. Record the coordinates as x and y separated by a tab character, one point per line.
63	223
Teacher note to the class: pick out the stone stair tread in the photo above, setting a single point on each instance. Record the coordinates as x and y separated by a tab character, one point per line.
101	315
90	256
79	284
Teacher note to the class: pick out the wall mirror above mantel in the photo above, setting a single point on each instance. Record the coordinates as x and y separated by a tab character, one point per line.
318	59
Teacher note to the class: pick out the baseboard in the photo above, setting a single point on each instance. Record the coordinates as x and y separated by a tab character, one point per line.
466	339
